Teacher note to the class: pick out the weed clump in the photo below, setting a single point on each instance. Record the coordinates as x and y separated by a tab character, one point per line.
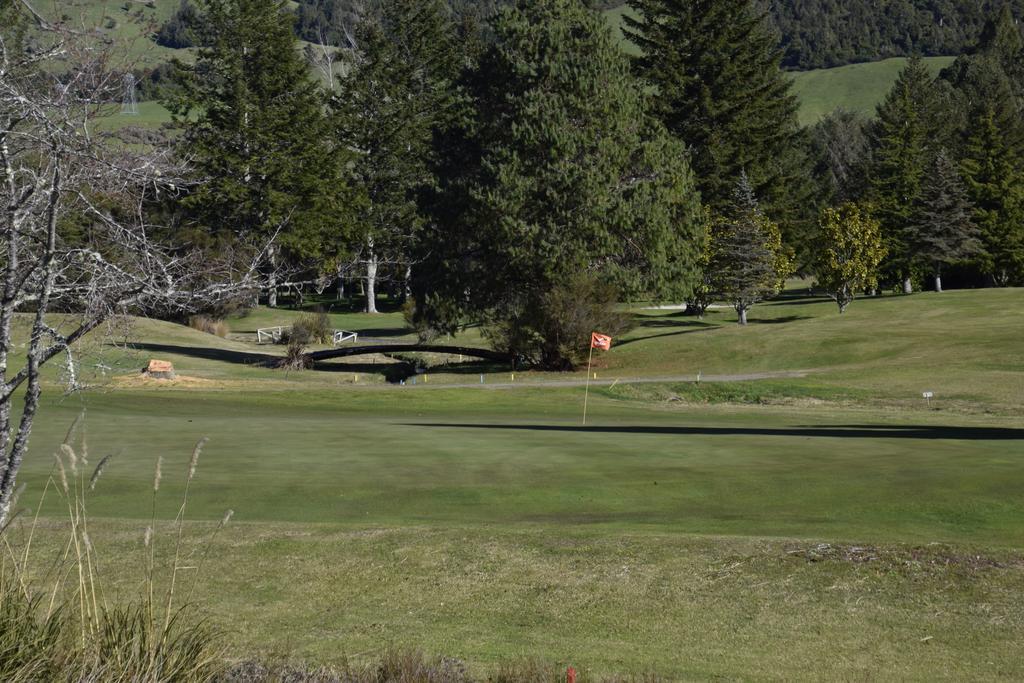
310	328
56	623
209	325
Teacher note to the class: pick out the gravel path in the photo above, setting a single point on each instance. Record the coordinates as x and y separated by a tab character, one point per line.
558	383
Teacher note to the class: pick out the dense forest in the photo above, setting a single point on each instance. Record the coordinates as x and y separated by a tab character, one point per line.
812	33
826	33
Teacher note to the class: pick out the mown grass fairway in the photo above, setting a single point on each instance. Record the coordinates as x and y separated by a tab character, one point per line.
680	531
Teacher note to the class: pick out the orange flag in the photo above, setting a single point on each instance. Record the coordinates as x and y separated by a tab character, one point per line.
600	341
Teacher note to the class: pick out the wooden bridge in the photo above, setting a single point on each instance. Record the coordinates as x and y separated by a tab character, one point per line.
366	349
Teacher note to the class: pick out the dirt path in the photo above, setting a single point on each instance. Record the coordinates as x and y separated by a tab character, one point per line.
560	383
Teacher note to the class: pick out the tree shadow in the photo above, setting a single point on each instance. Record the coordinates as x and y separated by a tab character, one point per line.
832	431
778	321
707	328
667	321
384	369
798	301
206	353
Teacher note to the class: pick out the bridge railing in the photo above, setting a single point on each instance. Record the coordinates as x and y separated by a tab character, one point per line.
274	335
342	336
270	335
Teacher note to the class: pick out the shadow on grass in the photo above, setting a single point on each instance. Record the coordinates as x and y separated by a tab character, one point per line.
778	321
671	321
688	328
807	300
223	355
833	431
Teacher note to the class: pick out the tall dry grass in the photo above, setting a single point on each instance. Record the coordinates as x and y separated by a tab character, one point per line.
209	325
58	620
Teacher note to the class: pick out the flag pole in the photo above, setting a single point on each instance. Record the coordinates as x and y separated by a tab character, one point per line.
586	393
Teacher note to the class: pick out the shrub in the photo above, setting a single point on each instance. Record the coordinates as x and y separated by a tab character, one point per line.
425	332
310	328
295	357
205	323
556	335
179	31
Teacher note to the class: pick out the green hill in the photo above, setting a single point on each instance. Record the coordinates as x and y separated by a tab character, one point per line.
857	87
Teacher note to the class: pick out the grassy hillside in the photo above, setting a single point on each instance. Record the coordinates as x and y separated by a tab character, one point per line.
680	531
126	24
857	87
882	350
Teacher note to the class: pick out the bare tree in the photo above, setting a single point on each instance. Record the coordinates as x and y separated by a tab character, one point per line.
73	232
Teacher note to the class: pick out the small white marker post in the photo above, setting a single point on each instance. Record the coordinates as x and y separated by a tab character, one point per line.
928	396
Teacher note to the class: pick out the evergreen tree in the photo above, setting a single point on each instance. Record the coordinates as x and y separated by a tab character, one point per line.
994	170
851	252
990	114
747	262
902	138
842	150
715	67
942	232
560	173
256	133
179	31
398	93
1002	40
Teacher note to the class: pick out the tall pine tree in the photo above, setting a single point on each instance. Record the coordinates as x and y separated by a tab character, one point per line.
990	83
1003	41
902	138
561	174
389	105
747	263
714	65
994	169
256	132
942	232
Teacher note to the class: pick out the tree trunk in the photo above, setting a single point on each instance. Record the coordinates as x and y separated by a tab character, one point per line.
341	288
908	286
742	312
272	282
407	290
371	281
938	283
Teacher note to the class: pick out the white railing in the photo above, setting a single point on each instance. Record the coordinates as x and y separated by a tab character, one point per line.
273	335
269	335
342	336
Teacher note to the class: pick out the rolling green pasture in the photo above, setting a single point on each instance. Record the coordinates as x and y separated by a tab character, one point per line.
127	26
829	525
856	87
